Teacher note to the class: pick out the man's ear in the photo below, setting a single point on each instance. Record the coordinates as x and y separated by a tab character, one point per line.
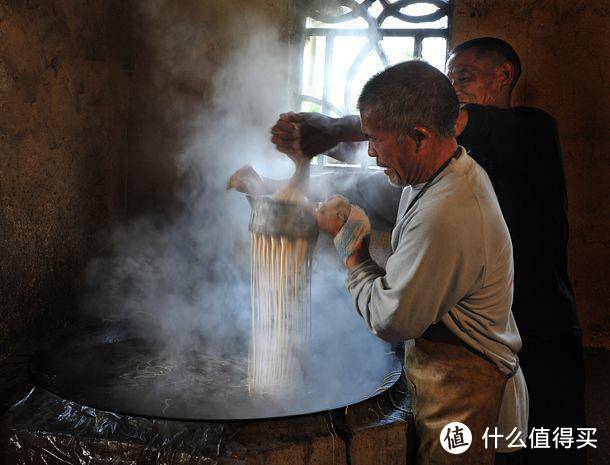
419	134
462	121
505	74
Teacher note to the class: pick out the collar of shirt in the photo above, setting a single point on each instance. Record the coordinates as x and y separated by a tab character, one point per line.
410	191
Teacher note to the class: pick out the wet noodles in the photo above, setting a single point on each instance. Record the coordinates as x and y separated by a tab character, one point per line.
281	294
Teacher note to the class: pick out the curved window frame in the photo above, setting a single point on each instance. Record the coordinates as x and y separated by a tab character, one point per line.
374	32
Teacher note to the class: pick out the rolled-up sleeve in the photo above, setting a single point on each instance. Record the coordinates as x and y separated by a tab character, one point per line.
437	262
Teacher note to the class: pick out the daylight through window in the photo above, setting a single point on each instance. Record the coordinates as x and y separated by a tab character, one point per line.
345	42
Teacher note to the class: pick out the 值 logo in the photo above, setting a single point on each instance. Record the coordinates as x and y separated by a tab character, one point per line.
456	437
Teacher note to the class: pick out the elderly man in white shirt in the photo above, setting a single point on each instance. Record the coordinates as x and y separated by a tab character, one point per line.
447	287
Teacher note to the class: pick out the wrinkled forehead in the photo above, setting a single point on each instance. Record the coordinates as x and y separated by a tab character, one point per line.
370	124
468	60
369	118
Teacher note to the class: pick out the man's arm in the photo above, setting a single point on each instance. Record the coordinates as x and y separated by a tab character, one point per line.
305	135
434	266
370	191
310	134
248	181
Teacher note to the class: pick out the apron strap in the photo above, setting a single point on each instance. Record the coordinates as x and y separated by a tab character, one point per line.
438	332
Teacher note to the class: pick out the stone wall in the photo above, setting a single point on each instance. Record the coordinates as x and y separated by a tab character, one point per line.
81	83
180	47
81	86
565	46
64	90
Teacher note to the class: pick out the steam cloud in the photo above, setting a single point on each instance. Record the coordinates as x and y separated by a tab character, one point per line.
185	283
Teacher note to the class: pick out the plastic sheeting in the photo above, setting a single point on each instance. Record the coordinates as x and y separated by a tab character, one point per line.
45	429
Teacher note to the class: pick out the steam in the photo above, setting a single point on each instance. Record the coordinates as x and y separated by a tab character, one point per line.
191	275
184	283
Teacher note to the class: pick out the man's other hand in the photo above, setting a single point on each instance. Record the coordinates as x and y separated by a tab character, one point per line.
247	180
333	214
353	245
303	135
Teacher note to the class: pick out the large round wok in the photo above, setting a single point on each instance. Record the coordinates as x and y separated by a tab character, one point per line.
113	369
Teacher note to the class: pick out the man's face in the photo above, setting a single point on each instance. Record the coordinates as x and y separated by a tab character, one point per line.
474	78
393	151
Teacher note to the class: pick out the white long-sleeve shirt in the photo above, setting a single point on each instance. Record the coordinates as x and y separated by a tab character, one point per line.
451	262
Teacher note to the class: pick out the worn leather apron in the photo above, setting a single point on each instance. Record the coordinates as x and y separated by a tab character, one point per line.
449	382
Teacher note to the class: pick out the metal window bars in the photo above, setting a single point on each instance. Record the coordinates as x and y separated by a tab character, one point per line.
343	42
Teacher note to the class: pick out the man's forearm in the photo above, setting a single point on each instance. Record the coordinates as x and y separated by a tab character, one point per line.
347	132
304	135
360	255
271	186
347	129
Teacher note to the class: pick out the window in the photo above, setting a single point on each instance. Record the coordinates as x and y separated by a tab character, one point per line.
345	42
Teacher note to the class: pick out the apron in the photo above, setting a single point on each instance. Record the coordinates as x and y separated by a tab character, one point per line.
449	382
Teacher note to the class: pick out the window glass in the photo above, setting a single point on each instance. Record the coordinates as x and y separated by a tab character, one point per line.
345	42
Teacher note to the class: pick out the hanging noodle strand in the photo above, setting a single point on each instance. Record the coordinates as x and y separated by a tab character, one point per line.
281	275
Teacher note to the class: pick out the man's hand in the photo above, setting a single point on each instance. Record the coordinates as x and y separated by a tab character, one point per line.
332	215
361	254
248	181
304	135
351	243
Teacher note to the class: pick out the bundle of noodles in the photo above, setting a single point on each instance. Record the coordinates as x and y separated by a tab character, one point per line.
283	237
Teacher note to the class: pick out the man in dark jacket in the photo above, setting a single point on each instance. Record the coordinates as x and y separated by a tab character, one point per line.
520	150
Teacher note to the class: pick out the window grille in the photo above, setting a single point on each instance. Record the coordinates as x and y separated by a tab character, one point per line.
345	42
